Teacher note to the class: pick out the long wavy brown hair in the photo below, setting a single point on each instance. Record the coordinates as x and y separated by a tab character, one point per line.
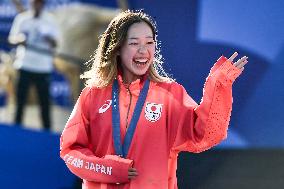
105	62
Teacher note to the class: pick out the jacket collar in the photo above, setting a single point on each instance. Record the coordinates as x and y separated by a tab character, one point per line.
134	87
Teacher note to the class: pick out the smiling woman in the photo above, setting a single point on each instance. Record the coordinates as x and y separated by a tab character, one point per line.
132	120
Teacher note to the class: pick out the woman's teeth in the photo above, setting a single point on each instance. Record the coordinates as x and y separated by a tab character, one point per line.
141	61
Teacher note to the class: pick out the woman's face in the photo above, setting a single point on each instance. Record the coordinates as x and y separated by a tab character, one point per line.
137	52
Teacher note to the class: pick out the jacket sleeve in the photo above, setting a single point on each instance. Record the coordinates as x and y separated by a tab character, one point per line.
75	148
196	128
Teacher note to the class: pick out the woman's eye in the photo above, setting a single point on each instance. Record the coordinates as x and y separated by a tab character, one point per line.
133	43
150	42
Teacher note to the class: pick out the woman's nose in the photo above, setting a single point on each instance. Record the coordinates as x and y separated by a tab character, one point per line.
142	49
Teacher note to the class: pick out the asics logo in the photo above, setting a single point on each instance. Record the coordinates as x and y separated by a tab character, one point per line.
105	106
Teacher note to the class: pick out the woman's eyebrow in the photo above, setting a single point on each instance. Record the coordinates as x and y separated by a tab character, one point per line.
151	37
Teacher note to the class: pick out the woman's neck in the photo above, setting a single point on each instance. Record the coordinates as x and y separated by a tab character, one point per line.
127	80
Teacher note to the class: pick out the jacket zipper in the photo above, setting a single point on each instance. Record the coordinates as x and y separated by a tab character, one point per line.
128	110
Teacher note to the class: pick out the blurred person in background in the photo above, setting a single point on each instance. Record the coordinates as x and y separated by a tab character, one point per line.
35	33
87	22
132	119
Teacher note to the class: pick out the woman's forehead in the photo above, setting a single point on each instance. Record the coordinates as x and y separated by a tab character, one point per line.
138	30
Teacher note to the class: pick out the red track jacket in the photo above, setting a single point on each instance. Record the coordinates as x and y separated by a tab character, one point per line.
170	122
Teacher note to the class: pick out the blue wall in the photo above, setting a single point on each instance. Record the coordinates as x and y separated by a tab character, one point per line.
31	159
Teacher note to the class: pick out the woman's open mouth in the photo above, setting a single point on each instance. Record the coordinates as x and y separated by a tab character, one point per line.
141	62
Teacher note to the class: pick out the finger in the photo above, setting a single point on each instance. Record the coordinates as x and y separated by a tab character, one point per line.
132	174
132	177
231	59
243	58
131	169
240	61
241	64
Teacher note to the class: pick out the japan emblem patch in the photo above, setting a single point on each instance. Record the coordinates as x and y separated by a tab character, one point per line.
153	111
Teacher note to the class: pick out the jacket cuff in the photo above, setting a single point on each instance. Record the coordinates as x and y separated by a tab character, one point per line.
218	63
230	71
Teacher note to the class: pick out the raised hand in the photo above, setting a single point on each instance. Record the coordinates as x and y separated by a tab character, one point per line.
240	63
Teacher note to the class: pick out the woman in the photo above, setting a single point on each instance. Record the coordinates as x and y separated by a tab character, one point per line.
132	119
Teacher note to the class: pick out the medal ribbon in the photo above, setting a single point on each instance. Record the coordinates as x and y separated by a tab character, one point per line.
122	150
